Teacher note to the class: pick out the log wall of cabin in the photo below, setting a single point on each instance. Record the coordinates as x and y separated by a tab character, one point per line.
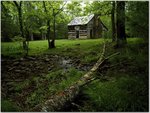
96	27
71	32
89	28
92	30
82	32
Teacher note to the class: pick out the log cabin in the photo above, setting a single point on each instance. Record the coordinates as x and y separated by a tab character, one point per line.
86	27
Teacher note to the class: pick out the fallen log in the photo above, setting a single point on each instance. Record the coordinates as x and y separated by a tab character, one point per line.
57	101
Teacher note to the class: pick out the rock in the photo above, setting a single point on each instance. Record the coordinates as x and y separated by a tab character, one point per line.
31	64
36	62
38	67
18	71
56	56
77	61
16	63
11	68
31	58
21	59
47	60
46	56
27	69
49	69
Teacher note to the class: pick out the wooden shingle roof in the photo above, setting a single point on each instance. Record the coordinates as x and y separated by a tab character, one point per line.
81	20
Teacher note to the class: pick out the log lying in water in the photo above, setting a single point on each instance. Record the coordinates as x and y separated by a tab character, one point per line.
57	101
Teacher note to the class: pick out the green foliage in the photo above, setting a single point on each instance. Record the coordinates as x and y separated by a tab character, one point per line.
51	83
74	9
126	86
107	22
9	25
137	18
8	106
100	8
22	85
18	39
72	76
122	94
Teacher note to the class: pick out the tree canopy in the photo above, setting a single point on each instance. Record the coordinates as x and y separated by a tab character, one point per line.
35	18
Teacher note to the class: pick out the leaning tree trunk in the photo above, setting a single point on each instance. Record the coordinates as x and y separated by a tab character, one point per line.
113	22
58	101
121	37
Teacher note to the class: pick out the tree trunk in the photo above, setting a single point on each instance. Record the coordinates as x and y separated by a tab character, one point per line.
21	25
48	34
19	8
44	36
54	37
113	22
31	35
48	24
121	37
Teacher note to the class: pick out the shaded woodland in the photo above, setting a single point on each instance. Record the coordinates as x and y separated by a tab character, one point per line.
43	70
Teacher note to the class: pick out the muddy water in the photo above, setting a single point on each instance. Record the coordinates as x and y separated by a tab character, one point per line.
67	63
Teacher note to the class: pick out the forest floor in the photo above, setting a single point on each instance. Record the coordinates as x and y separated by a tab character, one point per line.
28	81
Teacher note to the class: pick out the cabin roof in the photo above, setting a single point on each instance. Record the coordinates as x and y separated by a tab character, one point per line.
81	20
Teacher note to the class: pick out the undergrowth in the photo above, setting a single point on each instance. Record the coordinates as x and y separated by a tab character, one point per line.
127	86
125	89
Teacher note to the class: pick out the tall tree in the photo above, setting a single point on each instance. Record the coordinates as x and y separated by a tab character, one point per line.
9	22
48	25
113	22
121	37
55	12
19	8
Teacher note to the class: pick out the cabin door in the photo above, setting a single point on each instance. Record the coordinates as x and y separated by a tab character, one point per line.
77	34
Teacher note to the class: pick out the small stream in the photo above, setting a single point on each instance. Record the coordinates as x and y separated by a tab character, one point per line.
68	63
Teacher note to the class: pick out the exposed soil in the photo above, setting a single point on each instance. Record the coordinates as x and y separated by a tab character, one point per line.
14	71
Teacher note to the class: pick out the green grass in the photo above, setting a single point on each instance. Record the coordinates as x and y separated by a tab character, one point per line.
123	94
125	90
52	83
40	47
8	106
